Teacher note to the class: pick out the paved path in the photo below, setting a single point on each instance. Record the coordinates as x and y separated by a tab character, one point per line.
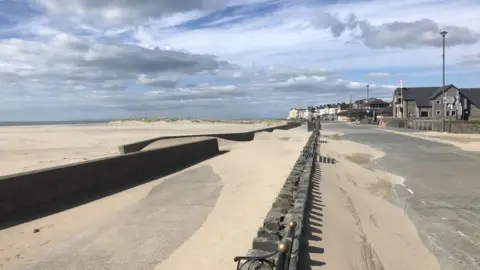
441	192
144	234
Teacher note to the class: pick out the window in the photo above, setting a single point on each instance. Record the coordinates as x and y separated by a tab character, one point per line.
447	113
453	113
438	112
423	114
438	101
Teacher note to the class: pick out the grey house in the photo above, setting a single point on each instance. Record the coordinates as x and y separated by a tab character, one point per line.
428	102
416	101
465	106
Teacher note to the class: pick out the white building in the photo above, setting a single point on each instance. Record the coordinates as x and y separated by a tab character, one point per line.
293	114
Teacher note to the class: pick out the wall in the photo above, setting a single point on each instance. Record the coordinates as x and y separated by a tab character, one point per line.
474	112
290	205
471	127
241	136
428	110
411	108
29	195
467	127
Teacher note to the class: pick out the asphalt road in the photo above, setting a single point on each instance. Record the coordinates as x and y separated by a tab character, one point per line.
441	191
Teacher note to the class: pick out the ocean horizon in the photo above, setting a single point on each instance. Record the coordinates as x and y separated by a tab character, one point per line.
45	123
85	122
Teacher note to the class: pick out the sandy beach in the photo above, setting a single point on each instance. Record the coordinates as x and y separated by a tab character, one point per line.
361	228
26	148
208	213
202	217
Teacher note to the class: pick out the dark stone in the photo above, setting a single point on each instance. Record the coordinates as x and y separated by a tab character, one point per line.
300	204
282	203
285	194
269	234
275	225
265	244
257	252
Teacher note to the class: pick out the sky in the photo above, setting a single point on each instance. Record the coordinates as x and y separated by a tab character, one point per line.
227	59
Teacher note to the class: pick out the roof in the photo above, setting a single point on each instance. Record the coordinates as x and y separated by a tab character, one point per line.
377	101
472	94
360	101
421	95
440	90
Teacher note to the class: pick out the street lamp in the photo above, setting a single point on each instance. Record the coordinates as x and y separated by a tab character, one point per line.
444	33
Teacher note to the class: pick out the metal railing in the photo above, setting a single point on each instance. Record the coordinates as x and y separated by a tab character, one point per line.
284	253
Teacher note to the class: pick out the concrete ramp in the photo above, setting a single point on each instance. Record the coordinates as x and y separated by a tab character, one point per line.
144	234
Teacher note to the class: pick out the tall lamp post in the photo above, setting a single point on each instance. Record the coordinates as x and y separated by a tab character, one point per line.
444	33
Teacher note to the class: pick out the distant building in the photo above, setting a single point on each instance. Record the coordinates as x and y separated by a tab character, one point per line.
376	104
462	103
352	114
293	114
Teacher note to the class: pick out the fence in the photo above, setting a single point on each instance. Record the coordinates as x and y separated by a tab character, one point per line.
277	243
435	124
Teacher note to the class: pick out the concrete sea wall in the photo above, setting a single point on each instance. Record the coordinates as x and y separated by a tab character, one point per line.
241	137
290	205
30	195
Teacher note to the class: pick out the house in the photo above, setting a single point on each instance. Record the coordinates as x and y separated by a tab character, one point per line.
293	114
322	110
385	112
464	106
333	110
304	114
471	106
352	114
428	102
376	104
359	104
415	101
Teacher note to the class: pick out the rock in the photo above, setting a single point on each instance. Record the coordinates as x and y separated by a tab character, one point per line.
265	244
282	203
274	225
269	234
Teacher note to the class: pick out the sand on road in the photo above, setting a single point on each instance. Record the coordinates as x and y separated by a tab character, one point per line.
353	224
466	142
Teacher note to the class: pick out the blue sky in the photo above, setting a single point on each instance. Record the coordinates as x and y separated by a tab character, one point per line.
78	59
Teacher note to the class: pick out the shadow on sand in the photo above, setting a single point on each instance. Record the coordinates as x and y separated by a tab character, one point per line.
80	198
313	226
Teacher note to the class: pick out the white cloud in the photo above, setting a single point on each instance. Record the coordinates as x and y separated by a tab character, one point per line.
378	74
151	57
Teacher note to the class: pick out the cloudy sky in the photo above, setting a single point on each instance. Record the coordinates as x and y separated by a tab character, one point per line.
100	59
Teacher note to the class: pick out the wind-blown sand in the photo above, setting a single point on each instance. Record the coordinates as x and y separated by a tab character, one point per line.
26	148
466	142
361	228
200	218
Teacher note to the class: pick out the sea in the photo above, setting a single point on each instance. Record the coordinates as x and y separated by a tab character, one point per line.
86	122
44	123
